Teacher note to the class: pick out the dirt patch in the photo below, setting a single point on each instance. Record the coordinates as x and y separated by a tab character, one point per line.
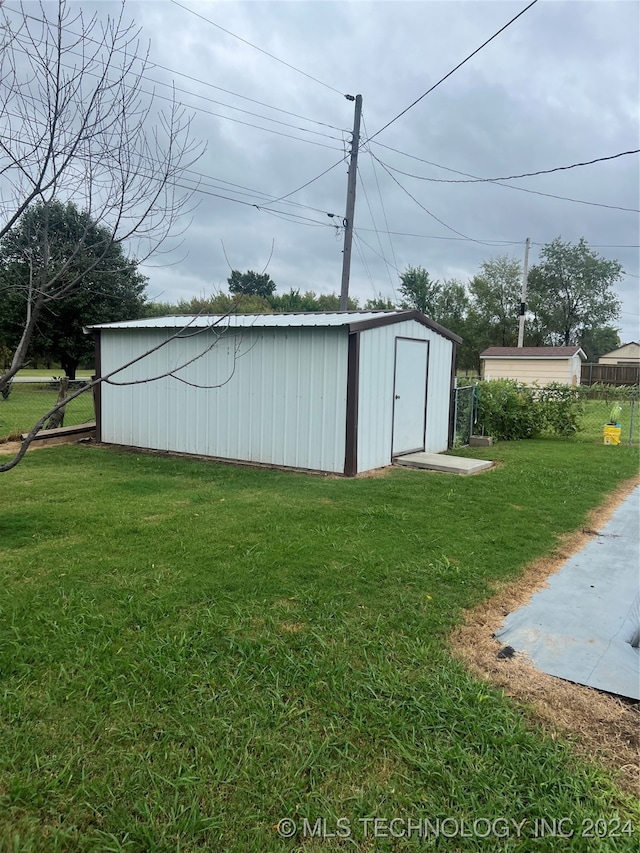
601	727
10	448
292	627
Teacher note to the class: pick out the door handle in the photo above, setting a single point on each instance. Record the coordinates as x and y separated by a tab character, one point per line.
397	396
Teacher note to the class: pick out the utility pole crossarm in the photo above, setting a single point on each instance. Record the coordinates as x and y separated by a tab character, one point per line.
351	204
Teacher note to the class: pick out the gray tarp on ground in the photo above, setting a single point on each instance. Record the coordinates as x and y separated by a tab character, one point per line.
582	625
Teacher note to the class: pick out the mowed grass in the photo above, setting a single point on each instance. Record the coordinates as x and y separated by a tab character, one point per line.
597	413
190	652
28	402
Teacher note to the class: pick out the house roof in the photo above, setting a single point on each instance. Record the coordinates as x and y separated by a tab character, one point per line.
533	352
356	321
621	347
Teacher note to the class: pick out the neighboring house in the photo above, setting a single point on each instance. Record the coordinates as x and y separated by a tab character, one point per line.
533	365
627	354
339	392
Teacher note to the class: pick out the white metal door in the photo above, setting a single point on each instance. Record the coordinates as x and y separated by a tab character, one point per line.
409	395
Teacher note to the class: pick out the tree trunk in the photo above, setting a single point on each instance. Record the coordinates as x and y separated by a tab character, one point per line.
57	418
69	366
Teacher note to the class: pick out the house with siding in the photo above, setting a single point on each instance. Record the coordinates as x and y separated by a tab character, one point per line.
627	354
533	365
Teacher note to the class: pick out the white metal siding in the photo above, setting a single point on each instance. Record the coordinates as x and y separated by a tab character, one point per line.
376	371
281	398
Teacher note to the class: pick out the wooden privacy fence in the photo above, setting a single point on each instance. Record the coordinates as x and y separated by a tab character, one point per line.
610	374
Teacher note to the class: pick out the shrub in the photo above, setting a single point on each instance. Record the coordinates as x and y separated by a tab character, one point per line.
507	410
561	409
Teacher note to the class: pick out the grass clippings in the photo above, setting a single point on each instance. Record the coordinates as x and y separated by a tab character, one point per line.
601	726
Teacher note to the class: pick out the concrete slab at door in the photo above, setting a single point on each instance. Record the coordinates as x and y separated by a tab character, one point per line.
410	395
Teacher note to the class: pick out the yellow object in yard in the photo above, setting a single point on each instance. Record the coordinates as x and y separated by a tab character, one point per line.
612	434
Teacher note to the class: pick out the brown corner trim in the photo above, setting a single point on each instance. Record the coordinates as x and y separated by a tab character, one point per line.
351	436
452	426
97	389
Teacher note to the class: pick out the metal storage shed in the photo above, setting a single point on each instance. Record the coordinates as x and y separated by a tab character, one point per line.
340	392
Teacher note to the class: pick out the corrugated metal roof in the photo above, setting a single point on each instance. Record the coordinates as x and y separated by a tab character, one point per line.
300	318
355	320
531	352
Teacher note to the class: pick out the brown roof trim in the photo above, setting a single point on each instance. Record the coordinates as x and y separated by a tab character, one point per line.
400	317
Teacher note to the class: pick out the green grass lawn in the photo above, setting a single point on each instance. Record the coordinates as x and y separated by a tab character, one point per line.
596	414
28	402
190	652
55	371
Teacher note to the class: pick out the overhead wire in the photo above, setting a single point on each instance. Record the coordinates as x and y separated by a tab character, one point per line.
311	181
432	215
523	175
366	196
364	242
441	237
255	47
384	211
203	110
498	183
365	265
151	64
453	70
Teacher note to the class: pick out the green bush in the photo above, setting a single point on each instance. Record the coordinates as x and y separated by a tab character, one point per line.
509	410
561	409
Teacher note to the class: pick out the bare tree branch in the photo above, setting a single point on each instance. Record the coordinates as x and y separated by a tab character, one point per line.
179	334
76	125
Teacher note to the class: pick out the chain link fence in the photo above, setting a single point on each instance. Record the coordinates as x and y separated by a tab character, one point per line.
604	406
26	401
594	409
465	416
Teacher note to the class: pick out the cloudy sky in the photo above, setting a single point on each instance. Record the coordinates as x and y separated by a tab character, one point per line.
559	86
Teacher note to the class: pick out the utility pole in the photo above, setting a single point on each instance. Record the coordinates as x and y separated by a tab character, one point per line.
523	297
351	203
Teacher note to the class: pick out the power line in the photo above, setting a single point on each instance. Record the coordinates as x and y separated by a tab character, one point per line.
265	52
366	266
457	239
384	211
513	177
366	196
220	103
453	70
156	95
190	77
364	242
259	193
426	210
308	183
494	182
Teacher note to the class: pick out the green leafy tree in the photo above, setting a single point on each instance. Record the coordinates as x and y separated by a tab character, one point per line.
379	303
419	291
251	283
308	301
495	303
597	342
571	291
97	282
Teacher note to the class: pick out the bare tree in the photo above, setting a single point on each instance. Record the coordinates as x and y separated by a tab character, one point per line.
76	124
